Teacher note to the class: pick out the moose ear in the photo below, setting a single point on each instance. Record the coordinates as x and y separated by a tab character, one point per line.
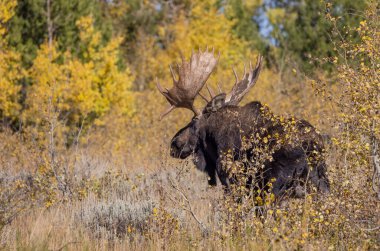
216	103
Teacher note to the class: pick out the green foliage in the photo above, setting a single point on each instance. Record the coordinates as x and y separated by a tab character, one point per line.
28	28
301	29
242	13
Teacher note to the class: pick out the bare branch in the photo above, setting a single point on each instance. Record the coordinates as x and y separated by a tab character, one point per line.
189	207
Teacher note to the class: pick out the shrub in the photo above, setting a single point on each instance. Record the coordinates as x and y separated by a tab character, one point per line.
115	218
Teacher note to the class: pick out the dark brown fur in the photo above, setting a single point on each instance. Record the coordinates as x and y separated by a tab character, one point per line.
221	128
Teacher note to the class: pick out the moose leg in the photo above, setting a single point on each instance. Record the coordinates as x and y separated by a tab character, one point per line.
318	176
211	175
317	172
222	174
289	169
204	164
317	166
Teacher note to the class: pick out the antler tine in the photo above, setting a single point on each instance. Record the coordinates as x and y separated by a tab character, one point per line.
164	92
159	87
258	63
241	88
210	91
171	108
189	80
236	76
182	56
173	74
220	89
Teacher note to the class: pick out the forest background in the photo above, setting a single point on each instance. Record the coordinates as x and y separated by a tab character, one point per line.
84	157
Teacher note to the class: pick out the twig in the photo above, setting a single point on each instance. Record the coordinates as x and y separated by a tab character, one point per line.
189	208
370	229
376	163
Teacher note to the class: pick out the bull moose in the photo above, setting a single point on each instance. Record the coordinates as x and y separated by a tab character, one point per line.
224	127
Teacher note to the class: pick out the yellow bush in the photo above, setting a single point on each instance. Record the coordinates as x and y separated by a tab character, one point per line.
10	68
78	91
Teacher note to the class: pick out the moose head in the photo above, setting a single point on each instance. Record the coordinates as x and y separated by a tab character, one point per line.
192	78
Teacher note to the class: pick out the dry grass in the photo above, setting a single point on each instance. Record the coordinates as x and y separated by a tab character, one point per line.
146	210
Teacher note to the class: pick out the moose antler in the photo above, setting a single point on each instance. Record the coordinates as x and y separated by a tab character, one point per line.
242	87
191	78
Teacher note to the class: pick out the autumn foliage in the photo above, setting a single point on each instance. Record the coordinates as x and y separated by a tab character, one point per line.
84	160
